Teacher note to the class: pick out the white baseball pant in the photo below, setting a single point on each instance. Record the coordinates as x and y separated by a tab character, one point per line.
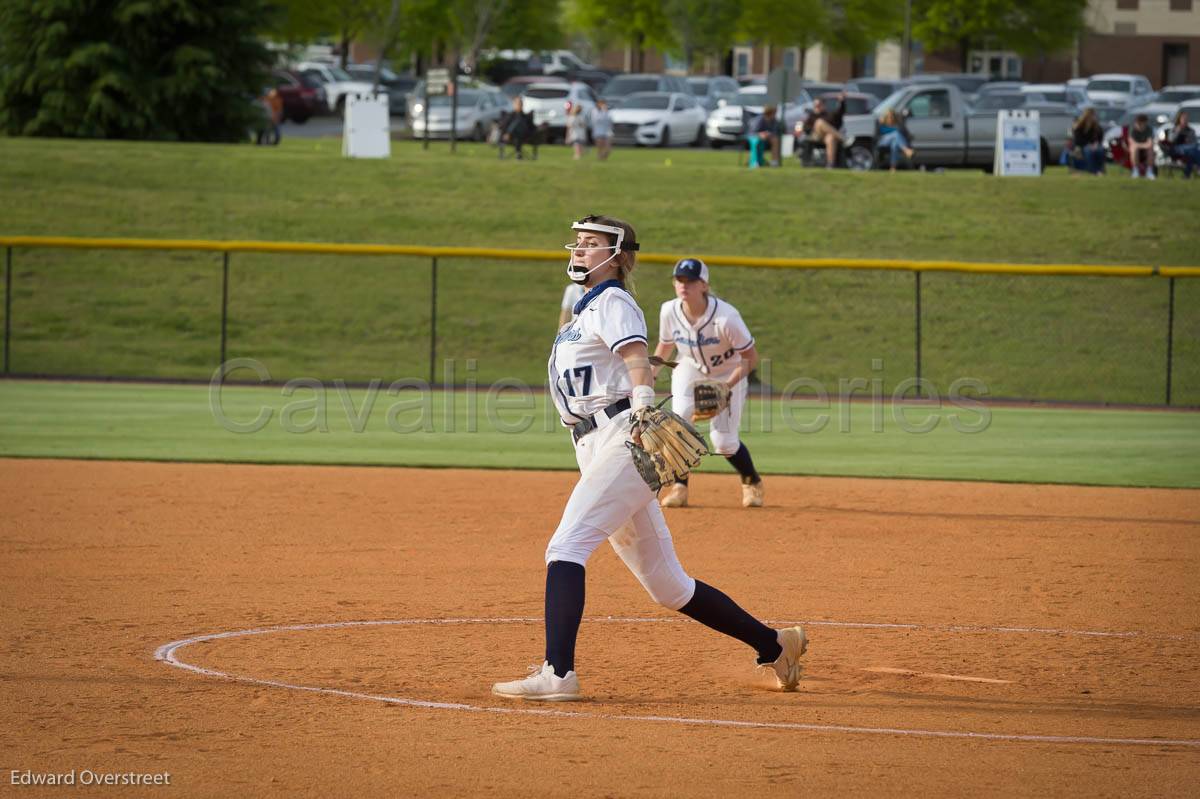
611	500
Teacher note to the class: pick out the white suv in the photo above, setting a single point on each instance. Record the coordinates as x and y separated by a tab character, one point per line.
1119	89
338	83
550	102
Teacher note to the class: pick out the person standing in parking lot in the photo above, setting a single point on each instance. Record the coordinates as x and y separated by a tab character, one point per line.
602	129
577	129
517	128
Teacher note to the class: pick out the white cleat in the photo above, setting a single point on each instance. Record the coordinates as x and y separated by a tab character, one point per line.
675	496
786	669
542	684
752	495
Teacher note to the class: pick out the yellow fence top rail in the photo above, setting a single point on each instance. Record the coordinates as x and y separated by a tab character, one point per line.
318	248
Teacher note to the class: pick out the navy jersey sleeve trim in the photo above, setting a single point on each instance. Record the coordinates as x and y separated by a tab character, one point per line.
634	337
748	346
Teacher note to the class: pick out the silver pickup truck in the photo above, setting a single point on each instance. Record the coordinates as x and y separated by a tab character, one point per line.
946	132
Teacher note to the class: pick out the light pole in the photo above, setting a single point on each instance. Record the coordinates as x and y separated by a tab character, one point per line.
906	55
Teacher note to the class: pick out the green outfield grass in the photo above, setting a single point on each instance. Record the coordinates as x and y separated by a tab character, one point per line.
157	314
178	423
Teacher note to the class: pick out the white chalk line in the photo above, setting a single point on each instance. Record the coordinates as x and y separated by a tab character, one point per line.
167	654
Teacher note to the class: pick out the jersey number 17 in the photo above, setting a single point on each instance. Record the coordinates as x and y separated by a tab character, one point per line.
584	372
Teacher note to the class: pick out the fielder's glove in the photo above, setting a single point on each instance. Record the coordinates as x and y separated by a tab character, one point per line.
670	447
711	397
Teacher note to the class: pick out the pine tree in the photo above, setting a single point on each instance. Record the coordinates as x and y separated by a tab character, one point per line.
175	70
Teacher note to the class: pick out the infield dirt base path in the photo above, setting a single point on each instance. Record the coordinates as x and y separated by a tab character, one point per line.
104	562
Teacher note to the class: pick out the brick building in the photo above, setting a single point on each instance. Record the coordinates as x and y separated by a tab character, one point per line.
1156	38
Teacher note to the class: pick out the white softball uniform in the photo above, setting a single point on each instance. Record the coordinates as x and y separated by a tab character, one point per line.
710	349
611	500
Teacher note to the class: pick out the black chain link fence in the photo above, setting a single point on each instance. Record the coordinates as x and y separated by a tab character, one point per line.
177	314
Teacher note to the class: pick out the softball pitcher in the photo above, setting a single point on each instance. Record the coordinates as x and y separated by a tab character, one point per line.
716	356
626	448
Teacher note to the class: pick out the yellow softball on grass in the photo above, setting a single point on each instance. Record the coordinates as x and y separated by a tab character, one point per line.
667	162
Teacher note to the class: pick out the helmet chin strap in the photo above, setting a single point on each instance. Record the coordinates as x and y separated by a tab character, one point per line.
581	277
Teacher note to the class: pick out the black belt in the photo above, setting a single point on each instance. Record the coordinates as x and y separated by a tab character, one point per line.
581	429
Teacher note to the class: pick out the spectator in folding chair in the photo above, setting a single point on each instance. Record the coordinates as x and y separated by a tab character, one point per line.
894	137
1141	148
764	134
1086	145
1181	146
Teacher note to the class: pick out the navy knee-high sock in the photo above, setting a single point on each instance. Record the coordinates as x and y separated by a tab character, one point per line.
714	609
741	461
564	611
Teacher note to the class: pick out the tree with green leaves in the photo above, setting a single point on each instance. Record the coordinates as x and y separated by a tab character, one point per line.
1029	27
702	27
785	23
635	23
184	70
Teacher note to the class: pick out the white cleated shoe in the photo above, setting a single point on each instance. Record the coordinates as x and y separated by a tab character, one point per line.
752	495
675	496
787	669
542	684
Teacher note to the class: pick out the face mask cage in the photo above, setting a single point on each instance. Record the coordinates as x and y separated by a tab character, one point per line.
578	273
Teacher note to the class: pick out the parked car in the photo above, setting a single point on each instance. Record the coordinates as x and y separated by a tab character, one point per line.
1119	89
658	119
1161	107
818	87
1004	101
303	96
415	98
996	87
1073	96
397	86
516	86
946	132
713	91
559	62
967	83
879	88
727	125
550	102
478	110
338	83
621	86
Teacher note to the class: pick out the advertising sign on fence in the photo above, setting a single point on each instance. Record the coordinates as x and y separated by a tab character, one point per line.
368	128
1018	143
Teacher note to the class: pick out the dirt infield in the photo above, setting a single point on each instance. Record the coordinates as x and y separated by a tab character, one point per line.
954	628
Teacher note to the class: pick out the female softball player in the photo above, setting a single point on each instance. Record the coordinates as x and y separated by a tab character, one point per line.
600	384
714	347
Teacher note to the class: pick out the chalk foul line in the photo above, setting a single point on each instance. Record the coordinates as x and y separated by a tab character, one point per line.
168	653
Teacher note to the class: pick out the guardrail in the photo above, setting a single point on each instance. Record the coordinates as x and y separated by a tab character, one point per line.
226	248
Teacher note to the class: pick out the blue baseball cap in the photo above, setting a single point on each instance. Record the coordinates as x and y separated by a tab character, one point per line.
693	268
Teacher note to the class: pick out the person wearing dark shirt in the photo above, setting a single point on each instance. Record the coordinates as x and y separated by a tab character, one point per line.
1184	146
764	133
1141	148
823	126
517	127
1087	143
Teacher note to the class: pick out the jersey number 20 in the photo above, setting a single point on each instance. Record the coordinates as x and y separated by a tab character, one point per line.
717	360
584	372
